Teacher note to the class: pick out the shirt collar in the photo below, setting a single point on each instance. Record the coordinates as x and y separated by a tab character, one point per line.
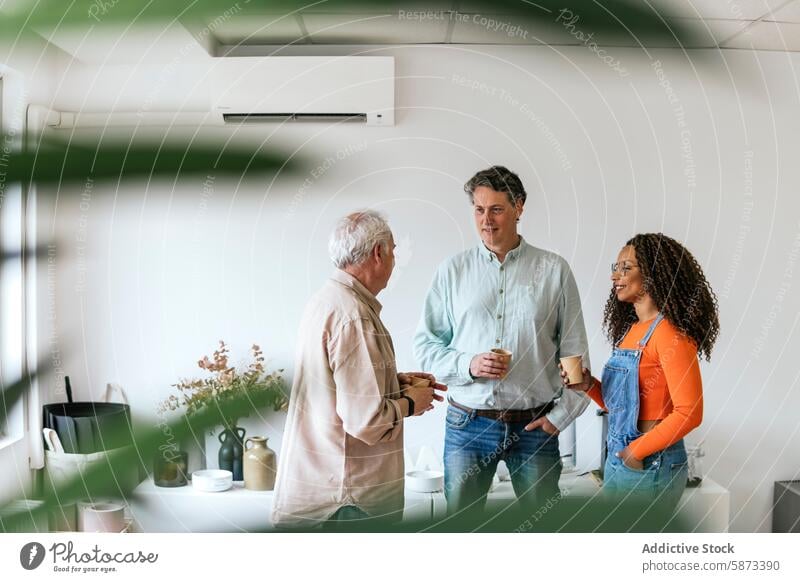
348	280
513	254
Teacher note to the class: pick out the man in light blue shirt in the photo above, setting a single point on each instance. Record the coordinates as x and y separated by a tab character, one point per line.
503	294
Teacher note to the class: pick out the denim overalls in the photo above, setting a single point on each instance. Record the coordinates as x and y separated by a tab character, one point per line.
665	472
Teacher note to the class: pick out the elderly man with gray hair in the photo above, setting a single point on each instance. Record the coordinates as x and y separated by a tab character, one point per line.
342	453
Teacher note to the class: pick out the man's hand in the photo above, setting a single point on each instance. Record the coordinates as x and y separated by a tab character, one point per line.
626	456
488	365
423	395
544	424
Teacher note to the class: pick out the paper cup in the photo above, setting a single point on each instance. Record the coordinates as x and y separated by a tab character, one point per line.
506	358
573	365
418	382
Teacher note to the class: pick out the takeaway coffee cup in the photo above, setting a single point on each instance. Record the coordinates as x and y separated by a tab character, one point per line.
506	356
418	382
573	365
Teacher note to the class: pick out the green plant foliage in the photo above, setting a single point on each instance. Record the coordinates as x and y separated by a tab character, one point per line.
57	162
13	392
624	18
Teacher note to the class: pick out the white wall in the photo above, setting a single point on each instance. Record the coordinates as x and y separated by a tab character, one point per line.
167	271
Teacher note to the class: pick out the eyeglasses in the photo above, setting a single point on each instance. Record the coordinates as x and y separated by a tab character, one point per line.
623	268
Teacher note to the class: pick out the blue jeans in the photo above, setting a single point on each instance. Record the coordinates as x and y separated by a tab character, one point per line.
662	480
473	446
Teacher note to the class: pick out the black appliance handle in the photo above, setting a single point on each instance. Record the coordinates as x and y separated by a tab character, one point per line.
69	389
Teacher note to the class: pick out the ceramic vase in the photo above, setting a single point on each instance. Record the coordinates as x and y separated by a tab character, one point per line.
170	468
231	451
260	465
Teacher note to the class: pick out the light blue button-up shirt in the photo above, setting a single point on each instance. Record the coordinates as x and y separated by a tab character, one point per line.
528	304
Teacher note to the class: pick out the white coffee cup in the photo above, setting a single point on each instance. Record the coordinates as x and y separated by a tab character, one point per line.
101	516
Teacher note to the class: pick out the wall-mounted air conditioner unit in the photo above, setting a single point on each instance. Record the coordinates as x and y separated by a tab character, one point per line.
264	89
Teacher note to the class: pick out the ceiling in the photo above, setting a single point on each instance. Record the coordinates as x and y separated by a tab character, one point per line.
729	24
751	24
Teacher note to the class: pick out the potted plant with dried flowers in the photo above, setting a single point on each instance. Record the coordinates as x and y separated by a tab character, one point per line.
227	390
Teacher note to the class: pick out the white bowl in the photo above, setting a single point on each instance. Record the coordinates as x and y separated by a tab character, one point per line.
212	480
425	481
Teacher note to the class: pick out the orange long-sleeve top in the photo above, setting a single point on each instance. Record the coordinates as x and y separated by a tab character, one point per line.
670	386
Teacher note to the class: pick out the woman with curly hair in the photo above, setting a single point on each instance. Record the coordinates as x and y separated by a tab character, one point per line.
660	316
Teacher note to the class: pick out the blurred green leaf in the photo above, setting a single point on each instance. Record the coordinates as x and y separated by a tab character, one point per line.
572	514
12	393
60	162
620	18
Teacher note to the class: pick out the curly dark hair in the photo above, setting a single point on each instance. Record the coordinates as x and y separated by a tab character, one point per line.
499	179
676	283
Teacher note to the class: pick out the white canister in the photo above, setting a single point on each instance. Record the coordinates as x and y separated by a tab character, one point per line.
101	516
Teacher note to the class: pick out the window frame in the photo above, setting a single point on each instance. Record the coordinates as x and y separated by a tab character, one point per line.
13	349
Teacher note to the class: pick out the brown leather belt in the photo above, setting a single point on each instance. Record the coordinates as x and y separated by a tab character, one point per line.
507	415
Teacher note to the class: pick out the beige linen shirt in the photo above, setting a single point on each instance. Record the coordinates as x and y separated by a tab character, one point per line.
343	441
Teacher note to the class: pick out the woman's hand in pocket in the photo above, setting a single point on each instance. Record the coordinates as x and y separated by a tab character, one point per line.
629	460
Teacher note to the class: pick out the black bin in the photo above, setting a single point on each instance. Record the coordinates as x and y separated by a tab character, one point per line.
89	427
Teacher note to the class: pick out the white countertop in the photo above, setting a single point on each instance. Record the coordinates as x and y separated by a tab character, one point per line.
183	509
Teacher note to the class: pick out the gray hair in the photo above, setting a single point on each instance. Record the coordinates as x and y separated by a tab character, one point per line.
499	179
355	235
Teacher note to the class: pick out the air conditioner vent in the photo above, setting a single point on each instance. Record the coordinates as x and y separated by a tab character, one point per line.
286	117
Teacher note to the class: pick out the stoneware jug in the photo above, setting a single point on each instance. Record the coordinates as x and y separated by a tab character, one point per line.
230	453
259	465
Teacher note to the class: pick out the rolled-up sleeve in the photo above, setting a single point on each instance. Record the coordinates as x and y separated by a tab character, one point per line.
434	335
355	358
571	341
